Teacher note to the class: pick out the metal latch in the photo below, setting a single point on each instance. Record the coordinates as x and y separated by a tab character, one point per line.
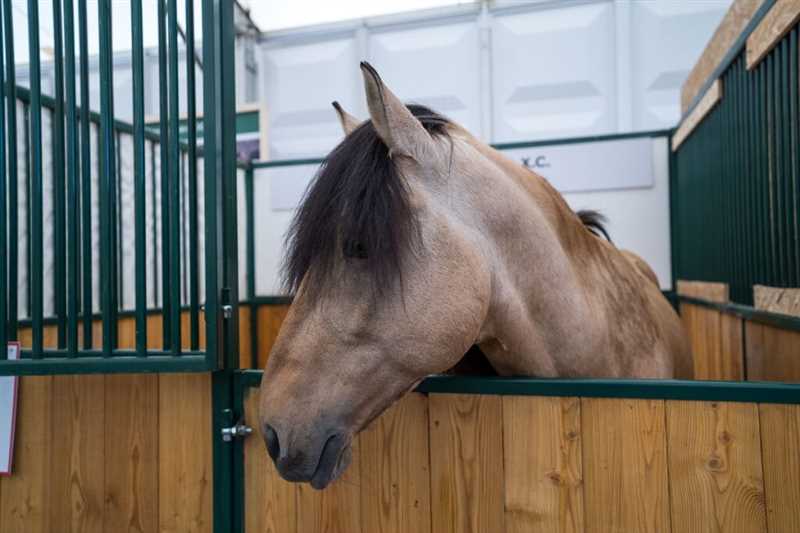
239	431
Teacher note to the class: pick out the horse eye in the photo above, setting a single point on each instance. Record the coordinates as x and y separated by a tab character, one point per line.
355	249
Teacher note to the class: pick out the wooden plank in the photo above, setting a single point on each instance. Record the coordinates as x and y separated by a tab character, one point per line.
270	318
726	34
705	290
245	330
716	341
26	494
780	433
625	465
773	354
543	468
466	433
184	453
77	477
777	299
126	333
780	19
131	452
715	470
711	97
395	473
336	509
270	503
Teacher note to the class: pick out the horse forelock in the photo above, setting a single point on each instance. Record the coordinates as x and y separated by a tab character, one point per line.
357	205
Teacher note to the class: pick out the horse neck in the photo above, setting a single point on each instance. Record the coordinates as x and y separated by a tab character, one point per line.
542	260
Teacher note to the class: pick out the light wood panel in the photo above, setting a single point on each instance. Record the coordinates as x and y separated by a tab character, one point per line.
716	342
782	17
716	481
466	433
131	452
185	472
780	435
270	318
711	98
773	354
728	31
777	299
270	502
78	454
705	290
625	465
543	468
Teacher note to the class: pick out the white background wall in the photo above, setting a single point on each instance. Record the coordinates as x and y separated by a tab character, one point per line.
517	71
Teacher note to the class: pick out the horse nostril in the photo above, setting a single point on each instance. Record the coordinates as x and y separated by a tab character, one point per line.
271	439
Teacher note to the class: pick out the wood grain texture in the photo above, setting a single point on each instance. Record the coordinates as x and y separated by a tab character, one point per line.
270	504
184	453
395	473
773	354
711	98
270	318
716	341
625	465
780	435
25	496
337	509
466	433
245	330
131	453
543	467
781	17
78	454
716	481
705	290
728	31
777	299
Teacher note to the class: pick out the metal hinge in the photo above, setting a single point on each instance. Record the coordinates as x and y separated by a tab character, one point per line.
239	431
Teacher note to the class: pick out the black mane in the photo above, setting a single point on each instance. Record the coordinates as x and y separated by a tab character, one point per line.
357	206
595	222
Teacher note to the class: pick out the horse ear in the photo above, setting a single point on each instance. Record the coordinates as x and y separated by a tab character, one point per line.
348	121
395	124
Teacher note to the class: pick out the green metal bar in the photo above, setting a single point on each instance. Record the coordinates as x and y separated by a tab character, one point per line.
13	214
154	235
36	278
86	178
191	125
789	215
60	275
26	123
116	215
251	264
137	47
73	214
93	362
174	180
780	200
223	456
794	118
3	232
107	179
164	156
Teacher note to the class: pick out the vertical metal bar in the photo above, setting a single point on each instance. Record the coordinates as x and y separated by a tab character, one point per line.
107	179
787	91
174	181
794	118
13	228
251	262
191	130
154	233
36	279
164	156
116	207
73	216
58	179
3	238
26	116
86	177
137	46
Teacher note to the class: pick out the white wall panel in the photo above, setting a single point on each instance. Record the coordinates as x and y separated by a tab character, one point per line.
437	67
300	82
553	72
667	39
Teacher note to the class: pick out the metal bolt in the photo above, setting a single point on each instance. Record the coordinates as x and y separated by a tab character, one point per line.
227	311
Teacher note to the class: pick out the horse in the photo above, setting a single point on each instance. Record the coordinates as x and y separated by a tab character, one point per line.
416	241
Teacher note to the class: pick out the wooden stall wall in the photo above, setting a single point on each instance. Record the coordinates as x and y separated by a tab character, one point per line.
103	453
465	463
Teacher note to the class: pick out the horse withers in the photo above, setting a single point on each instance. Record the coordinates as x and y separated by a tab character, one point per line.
415	242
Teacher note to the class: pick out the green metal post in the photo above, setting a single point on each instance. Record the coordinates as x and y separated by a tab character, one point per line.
86	178
137	47
191	124
11	116
59	220
174	180
3	239
73	215
163	114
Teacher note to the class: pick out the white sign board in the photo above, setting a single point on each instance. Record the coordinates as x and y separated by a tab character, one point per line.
593	165
8	413
613	164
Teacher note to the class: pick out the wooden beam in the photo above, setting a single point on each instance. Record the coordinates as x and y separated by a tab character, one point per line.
773	27
706	290
706	104
735	20
777	300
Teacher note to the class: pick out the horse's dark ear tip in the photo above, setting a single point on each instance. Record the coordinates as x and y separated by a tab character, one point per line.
336	105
